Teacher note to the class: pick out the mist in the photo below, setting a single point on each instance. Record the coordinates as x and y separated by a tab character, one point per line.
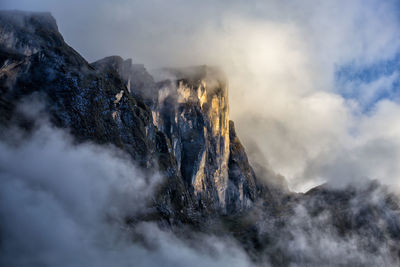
67	204
79	218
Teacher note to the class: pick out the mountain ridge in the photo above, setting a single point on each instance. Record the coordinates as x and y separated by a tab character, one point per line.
181	125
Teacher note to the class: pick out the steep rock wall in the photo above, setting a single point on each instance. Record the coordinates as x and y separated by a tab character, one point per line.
179	125
191	107
193	112
92	104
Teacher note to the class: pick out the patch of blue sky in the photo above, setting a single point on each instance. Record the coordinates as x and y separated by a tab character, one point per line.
367	85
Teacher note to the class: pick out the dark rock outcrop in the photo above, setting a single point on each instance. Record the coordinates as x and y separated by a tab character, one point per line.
179	125
191	108
243	188
94	105
136	78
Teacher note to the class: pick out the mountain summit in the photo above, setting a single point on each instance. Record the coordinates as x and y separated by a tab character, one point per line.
179	125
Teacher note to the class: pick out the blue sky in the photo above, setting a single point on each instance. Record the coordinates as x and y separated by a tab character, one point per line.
349	79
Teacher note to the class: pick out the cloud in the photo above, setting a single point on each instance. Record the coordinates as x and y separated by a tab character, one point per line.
65	204
371	151
313	241
352	227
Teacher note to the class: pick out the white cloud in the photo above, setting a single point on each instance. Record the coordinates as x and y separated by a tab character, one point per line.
65	205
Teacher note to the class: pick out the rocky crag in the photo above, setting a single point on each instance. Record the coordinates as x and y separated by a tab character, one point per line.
180	126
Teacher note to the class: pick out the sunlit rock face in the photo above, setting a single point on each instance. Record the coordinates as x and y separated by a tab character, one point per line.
179	125
190	106
193	112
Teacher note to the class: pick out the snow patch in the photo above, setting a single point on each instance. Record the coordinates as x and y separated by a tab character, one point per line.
118	97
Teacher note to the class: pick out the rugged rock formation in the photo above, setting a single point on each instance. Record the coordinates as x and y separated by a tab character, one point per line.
243	188
136	78
179	125
94	105
193	112
191	108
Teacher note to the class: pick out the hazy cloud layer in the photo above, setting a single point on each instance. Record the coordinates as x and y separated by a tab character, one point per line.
281	58
64	205
308	240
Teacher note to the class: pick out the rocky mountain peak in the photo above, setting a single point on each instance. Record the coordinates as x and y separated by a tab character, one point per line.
28	32
190	105
179	125
135	76
193	110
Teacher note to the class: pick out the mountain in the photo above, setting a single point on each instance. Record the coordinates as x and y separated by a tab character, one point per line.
180	127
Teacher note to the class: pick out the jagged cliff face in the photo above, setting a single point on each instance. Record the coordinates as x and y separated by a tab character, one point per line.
193	112
139	83
88	102
243	189
179	125
191	108
93	104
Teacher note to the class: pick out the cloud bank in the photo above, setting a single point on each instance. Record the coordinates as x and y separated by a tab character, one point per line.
65	205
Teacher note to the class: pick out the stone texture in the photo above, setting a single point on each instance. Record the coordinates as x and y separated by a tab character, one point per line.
179	125
191	108
243	189
92	104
